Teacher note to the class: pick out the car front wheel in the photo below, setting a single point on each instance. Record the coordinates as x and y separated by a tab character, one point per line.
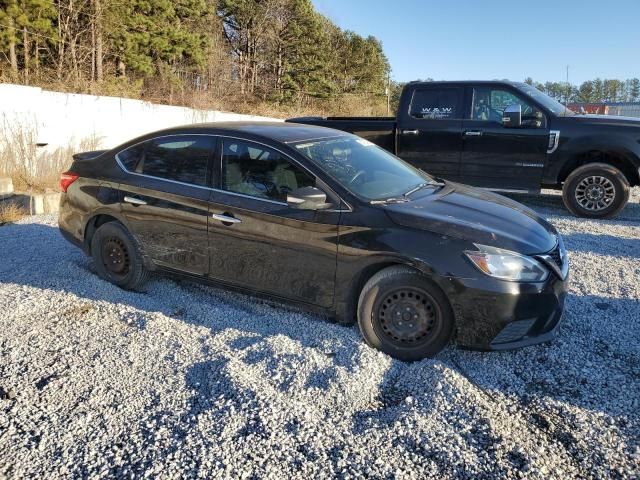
404	314
117	258
596	190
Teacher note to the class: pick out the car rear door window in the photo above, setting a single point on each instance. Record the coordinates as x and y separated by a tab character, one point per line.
182	158
436	103
258	171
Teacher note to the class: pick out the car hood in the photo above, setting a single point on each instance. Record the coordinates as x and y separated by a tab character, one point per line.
478	216
606	120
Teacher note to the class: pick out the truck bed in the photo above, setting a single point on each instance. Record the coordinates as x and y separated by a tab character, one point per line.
379	130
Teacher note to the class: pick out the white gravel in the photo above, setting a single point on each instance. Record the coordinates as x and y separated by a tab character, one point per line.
191	381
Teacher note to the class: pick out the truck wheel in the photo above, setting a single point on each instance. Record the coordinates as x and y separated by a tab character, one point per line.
117	257
404	314
595	190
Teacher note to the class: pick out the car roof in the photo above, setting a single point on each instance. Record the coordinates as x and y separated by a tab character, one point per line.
464	82
279	131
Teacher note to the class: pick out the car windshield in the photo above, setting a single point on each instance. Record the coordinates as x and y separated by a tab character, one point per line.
365	169
545	100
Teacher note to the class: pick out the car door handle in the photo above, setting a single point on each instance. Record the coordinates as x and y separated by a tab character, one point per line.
225	218
410	132
134	200
473	133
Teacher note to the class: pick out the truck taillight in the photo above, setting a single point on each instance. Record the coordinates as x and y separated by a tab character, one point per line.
66	179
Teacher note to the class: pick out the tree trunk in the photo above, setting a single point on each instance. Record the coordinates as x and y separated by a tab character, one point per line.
13	58
121	68
25	48
98	33
61	44
74	58
36	58
93	52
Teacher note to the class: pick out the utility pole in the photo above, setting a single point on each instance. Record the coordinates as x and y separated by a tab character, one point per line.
566	98
567	91
388	92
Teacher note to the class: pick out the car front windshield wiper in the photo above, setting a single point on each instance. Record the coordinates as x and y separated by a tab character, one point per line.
389	200
415	189
423	185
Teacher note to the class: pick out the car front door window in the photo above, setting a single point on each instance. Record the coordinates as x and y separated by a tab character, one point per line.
489	104
252	169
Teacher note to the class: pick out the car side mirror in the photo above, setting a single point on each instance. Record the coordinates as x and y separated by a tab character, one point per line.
308	198
512	116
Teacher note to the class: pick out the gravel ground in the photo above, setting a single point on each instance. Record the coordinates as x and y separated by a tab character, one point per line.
190	381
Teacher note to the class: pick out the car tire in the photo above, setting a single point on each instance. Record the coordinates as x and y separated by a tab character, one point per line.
117	257
595	190
404	314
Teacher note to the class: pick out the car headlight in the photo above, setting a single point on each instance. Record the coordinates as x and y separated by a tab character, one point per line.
507	265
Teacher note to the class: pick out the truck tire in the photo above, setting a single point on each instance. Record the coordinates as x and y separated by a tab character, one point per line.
595	190
405	315
117	257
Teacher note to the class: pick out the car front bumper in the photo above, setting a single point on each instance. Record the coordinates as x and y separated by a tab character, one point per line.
498	315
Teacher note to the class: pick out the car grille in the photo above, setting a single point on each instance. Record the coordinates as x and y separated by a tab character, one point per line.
555	255
514	331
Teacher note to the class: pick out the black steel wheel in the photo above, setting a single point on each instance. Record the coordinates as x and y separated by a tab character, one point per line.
404	314
407	316
117	257
596	190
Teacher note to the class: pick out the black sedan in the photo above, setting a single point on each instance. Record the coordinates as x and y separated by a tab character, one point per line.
324	219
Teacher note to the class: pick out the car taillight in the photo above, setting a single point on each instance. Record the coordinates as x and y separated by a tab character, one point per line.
66	179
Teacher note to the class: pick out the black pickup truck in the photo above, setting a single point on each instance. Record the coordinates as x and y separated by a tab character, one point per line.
508	136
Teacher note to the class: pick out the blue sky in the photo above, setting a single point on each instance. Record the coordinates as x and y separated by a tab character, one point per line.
467	39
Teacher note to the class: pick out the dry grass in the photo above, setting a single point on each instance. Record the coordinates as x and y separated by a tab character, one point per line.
34	168
10	212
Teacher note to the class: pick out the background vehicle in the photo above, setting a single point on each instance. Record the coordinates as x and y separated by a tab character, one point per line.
511	137
324	219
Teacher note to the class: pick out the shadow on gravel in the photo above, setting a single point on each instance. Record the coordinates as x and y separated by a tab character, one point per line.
550	204
54	264
607	368
529	374
602	244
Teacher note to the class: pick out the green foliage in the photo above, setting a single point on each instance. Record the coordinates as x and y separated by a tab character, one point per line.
286	48
593	91
269	51
37	16
144	34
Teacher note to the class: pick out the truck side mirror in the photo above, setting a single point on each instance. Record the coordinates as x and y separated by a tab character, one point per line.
512	116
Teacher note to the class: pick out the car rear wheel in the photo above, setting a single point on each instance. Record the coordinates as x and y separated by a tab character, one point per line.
117	257
404	314
596	190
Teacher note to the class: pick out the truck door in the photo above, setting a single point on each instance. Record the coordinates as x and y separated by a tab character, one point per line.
499	157
429	130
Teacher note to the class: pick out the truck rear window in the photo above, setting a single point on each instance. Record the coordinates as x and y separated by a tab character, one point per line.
435	103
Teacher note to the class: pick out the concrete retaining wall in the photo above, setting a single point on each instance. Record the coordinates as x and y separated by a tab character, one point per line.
60	119
6	187
36	203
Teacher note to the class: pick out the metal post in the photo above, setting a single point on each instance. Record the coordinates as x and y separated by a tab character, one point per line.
388	93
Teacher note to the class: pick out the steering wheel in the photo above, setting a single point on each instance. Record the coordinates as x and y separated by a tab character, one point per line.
359	174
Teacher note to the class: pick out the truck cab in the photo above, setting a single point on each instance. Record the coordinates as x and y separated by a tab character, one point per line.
508	136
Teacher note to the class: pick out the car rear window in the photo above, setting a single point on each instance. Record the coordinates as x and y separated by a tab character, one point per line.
130	157
182	158
436	103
